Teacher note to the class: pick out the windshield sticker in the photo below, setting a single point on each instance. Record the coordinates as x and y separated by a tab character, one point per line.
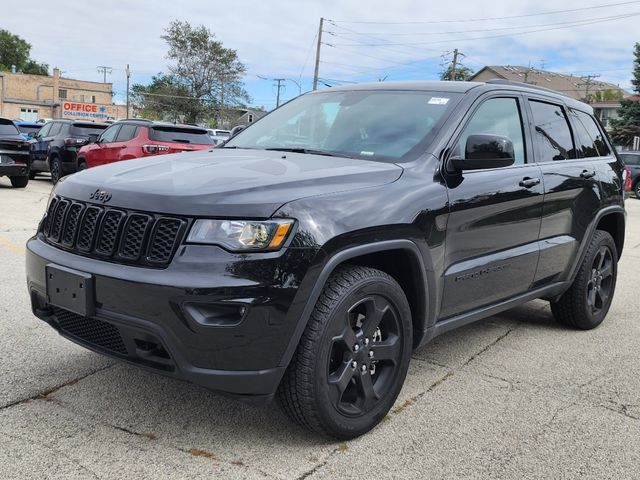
438	101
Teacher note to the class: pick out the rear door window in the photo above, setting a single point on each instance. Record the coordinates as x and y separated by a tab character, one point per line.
180	135
126	133
589	138
55	129
552	132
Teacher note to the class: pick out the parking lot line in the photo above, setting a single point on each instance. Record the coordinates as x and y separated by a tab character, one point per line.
12	247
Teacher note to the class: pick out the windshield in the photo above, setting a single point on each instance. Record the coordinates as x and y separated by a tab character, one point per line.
374	125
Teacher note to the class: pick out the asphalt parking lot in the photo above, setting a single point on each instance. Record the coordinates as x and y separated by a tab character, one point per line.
514	396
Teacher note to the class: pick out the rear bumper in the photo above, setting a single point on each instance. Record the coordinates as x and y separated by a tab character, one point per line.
14	170
151	317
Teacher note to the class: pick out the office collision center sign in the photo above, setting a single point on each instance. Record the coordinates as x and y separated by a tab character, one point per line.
87	111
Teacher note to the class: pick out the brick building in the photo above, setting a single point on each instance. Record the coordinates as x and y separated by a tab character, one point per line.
35	97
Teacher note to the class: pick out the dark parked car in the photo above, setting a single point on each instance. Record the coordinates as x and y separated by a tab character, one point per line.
28	130
129	139
14	154
632	160
314	251
56	145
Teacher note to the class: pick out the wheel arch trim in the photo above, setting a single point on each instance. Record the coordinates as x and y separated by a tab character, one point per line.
343	256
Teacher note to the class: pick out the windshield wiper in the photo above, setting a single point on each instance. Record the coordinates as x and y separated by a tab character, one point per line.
309	151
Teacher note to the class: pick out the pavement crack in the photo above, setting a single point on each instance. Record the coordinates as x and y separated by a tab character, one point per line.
56	451
476	355
45	395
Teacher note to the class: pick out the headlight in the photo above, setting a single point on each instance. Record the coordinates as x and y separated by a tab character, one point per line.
239	235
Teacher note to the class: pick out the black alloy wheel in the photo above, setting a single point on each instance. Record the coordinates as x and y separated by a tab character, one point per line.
353	356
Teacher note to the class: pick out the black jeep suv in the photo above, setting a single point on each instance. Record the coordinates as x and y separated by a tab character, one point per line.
56	145
317	248
14	154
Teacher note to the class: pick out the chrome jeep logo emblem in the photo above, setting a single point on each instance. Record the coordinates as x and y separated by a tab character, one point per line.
100	196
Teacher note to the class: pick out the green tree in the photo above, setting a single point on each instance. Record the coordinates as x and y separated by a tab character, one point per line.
167	98
627	125
14	51
204	66
462	73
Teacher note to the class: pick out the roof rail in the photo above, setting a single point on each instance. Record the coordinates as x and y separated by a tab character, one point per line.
499	81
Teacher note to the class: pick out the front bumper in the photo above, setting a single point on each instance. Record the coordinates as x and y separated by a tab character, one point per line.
161	319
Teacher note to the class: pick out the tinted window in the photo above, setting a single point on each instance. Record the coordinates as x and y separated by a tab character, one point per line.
552	132
64	129
83	130
55	129
589	138
109	135
44	131
28	129
180	135
631	159
126	133
8	128
497	116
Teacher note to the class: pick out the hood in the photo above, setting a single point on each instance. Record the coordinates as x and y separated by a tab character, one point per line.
224	182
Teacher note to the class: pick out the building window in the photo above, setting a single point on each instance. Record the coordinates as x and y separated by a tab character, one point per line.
29	114
62	94
93	99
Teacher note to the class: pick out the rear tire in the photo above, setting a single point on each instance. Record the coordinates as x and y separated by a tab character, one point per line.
636	189
333	387
586	303
19	182
32	175
55	167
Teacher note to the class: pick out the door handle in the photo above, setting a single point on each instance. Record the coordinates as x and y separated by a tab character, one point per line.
588	174
528	182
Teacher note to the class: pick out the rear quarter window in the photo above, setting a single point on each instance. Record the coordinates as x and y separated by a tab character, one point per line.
180	135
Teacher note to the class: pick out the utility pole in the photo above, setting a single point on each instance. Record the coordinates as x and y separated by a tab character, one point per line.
221	115
104	70
128	77
279	85
588	81
315	71
454	63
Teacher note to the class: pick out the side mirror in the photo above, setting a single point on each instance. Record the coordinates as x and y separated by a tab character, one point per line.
236	130
484	151
93	137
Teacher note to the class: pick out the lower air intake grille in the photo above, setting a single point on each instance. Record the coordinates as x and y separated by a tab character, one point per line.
91	330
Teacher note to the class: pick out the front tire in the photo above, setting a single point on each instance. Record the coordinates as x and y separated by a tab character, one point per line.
82	165
353	356
19	182
636	189
587	301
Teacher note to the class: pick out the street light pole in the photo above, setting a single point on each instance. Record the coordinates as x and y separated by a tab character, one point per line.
317	67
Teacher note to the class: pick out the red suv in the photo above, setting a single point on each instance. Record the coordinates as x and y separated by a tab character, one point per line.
129	139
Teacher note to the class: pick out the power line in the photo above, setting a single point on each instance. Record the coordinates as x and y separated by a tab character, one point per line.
609	19
491	18
480	30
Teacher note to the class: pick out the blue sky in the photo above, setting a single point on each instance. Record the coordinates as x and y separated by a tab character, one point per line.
275	39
